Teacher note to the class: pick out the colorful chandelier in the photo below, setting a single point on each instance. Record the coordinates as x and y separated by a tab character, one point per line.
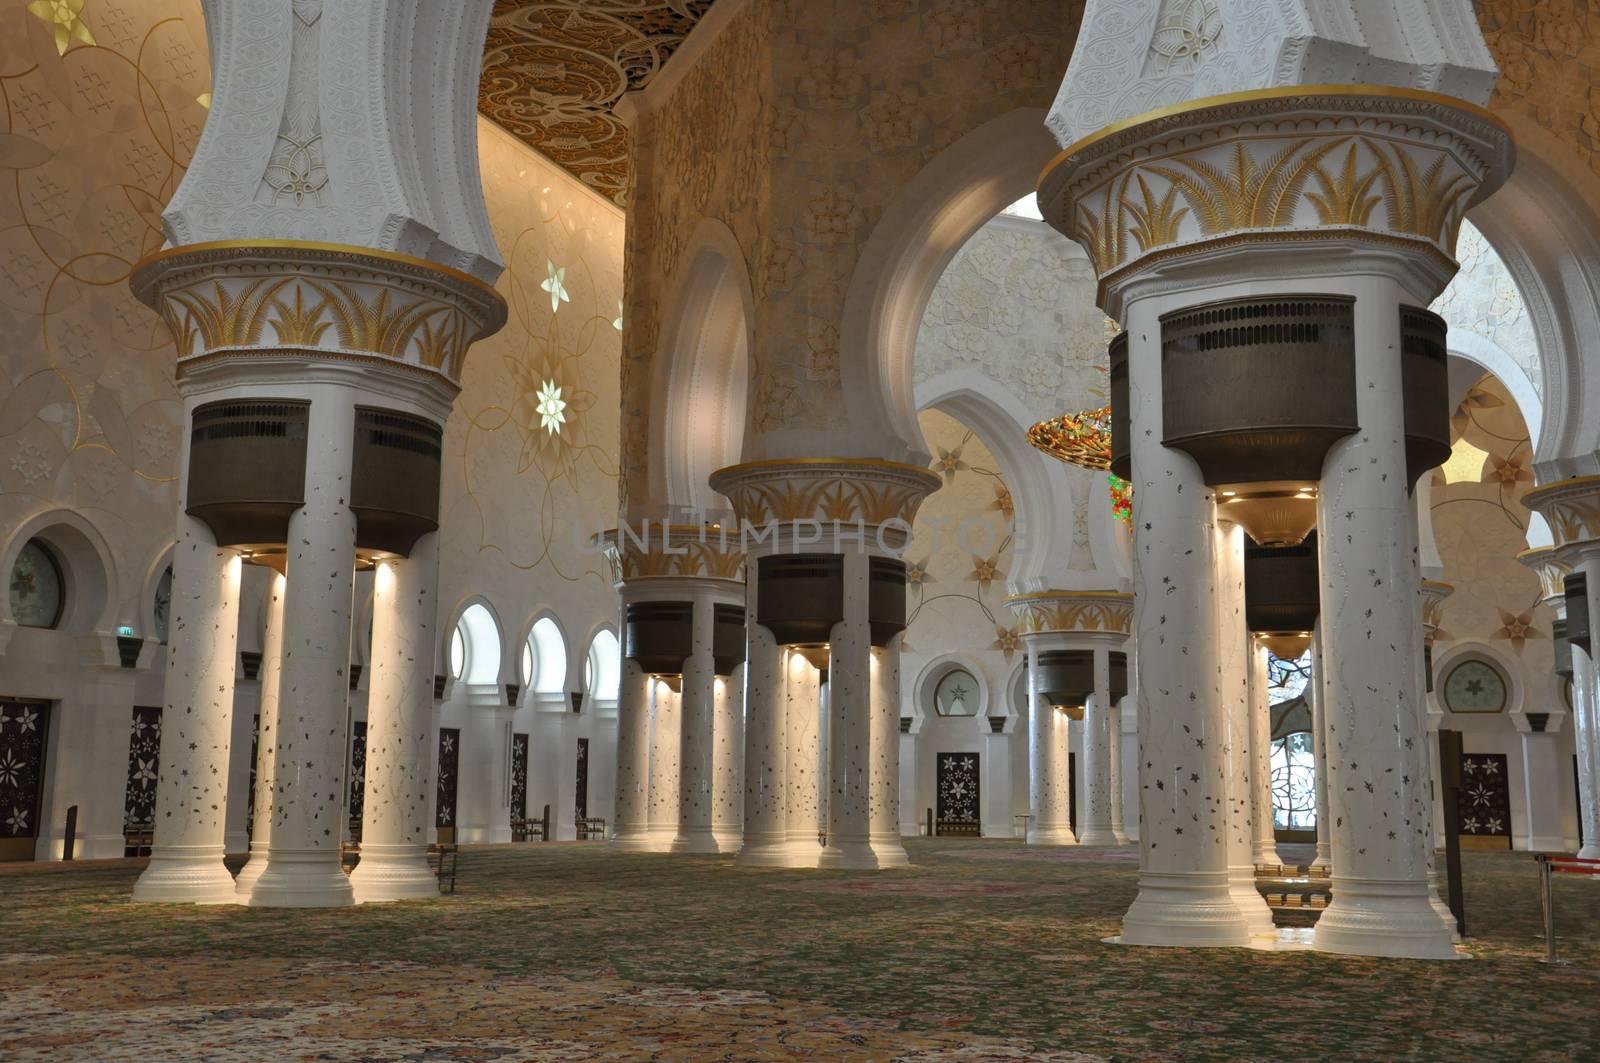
1084	438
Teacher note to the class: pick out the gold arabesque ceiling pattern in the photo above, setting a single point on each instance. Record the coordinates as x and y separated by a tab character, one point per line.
554	69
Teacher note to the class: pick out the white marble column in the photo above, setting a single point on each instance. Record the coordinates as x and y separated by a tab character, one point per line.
266	738
766	757
1585	708
1049	807
1371	630
632	810
1117	772
803	715
303	867
849	748
666	733
887	848
1234	659
697	738
1264	841
196	721
1543	766
727	789
1316	694
1097	722
395	824
1183	878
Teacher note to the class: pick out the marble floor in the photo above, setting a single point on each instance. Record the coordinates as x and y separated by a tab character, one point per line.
984	950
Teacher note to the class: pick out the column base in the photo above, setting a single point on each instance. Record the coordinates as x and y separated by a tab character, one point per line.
296	878
770	851
245	880
1184	909
393	873
854	854
729	839
1379	917
185	874
1251	904
889	849
1548	843
631	840
1590	851
1098	836
1324	858
1061	835
1264	855
699	840
1121	836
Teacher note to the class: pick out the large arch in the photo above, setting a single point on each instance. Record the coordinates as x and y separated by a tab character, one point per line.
928	221
1040	492
1548	234
702	373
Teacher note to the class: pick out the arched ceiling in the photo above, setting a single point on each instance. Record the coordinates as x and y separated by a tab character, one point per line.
554	69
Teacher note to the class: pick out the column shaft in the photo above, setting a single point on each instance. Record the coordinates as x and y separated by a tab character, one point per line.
666	734
887	847
1372	632
1049	811
266	738
308	778
395	826
1585	717
1264	842
633	757
196	722
765	743
1183	882
1317	693
1097	756
727	791
697	739
802	713
1116	755
1234	665
850	696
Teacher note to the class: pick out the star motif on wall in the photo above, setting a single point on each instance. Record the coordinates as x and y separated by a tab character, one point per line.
63	16
556	285
552	408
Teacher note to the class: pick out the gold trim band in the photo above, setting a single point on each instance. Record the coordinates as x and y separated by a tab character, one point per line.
1286	92
876	463
410	261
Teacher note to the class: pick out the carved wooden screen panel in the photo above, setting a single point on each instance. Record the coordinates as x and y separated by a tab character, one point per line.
449	758
144	771
1485	801
581	798
956	789
23	727
519	777
358	776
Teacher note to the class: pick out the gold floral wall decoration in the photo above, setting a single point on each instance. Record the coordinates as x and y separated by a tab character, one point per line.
553	71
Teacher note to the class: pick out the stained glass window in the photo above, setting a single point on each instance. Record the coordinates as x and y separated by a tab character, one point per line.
37	590
163	605
1294	783
1287	679
956	694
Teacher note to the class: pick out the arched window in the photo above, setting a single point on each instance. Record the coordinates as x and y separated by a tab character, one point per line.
544	658
602	670
38	588
161	608
1294	783
475	647
957	694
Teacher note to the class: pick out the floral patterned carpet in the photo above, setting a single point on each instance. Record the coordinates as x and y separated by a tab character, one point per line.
985	950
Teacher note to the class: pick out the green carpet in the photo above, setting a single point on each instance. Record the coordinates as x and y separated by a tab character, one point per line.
983	950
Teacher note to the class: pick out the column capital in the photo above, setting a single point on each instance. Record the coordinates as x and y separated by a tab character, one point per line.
244	299
1572	509
1307	171
1105	614
660	555
1551	566
881	497
1434	592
